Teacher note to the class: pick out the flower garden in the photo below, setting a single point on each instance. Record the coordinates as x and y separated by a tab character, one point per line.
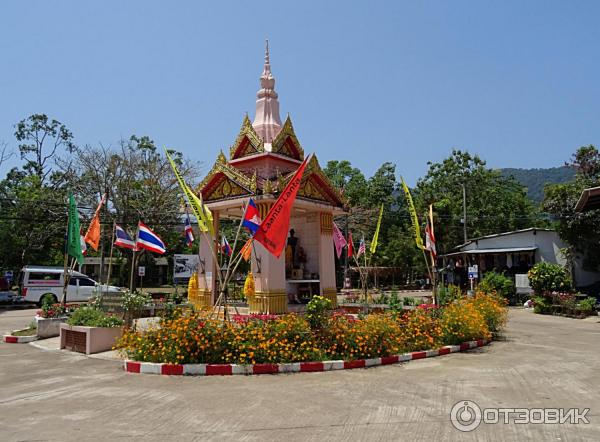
189	337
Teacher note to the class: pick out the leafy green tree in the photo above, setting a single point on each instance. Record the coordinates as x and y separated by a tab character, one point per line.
349	179
495	203
580	230
41	140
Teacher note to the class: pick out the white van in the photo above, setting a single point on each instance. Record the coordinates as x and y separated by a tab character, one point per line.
39	281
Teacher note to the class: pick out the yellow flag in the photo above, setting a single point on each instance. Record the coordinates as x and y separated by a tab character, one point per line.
202	213
376	235
413	216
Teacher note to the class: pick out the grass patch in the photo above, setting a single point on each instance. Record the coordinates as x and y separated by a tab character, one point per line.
26	332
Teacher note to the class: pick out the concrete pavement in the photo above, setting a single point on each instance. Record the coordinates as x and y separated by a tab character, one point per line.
542	361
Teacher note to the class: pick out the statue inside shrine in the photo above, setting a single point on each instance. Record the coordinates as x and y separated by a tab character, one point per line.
290	253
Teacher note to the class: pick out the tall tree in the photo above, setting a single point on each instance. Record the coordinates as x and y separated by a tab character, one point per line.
494	203
580	230
41	140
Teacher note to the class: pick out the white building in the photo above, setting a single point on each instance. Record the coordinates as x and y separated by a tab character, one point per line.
515	253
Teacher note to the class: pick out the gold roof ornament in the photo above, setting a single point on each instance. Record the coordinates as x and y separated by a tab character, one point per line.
247	142
284	137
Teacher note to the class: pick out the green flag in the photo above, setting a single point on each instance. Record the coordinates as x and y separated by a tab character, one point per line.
376	235
74	232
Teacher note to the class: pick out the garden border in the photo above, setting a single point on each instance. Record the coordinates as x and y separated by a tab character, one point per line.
10	339
291	367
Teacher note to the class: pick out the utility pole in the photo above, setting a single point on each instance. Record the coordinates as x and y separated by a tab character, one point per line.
464	191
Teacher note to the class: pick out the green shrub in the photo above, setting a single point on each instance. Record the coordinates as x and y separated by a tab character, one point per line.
448	294
316	312
407	300
587	305
497	282
87	316
542	305
546	278
394	302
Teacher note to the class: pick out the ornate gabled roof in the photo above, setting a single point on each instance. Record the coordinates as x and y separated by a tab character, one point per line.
247	142
224	181
286	143
315	185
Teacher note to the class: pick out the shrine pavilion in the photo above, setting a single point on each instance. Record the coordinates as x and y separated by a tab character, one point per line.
263	158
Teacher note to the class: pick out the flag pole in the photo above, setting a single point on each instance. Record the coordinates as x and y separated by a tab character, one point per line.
112	245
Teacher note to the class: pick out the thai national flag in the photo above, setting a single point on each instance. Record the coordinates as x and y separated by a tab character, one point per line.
189	232
149	240
123	239
252	218
225	248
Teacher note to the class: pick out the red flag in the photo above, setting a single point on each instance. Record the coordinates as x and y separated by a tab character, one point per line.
350	245
273	230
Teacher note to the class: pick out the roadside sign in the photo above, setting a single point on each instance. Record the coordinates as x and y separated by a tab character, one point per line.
473	272
8	275
141	271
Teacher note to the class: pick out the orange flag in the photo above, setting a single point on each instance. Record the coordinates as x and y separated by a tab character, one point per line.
92	236
246	251
273	231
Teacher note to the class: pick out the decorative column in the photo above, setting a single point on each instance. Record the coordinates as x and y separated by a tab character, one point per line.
327	258
206	268
269	276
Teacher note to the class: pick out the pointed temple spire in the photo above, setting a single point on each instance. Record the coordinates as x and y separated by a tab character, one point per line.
267	122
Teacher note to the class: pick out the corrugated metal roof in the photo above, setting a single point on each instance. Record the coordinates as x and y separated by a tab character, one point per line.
497	250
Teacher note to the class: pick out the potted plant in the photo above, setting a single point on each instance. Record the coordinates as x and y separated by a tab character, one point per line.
49	318
89	330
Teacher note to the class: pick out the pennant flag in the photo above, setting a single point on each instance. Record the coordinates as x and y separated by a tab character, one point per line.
74	232
361	248
429	236
92	236
147	239
225	248
273	231
413	216
376	235
123	239
188	231
350	245
246	251
338	240
201	212
251	217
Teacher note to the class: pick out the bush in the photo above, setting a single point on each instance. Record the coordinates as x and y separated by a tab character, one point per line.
316	312
545	278
394	302
448	294
493	282
459	323
90	317
587	305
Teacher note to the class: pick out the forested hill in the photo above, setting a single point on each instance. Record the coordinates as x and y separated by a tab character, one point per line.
535	179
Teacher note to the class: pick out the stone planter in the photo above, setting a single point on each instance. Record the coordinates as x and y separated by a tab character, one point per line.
88	340
49	327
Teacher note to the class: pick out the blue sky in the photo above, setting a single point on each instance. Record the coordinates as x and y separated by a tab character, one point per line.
402	81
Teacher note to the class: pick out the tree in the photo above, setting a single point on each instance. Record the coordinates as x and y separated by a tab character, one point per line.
349	179
580	230
494	203
40	141
139	184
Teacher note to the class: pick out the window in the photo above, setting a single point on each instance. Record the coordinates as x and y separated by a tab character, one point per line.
44	276
85	282
73	281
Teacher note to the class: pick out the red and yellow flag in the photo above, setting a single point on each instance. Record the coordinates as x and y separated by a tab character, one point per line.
246	251
92	236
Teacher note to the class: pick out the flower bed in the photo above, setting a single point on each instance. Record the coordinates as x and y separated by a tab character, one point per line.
194	338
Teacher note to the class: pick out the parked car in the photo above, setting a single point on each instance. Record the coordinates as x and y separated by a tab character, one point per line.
37	282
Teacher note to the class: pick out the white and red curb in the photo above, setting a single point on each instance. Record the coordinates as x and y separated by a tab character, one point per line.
10	339
293	367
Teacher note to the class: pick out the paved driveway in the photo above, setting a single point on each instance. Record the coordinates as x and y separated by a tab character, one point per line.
542	362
